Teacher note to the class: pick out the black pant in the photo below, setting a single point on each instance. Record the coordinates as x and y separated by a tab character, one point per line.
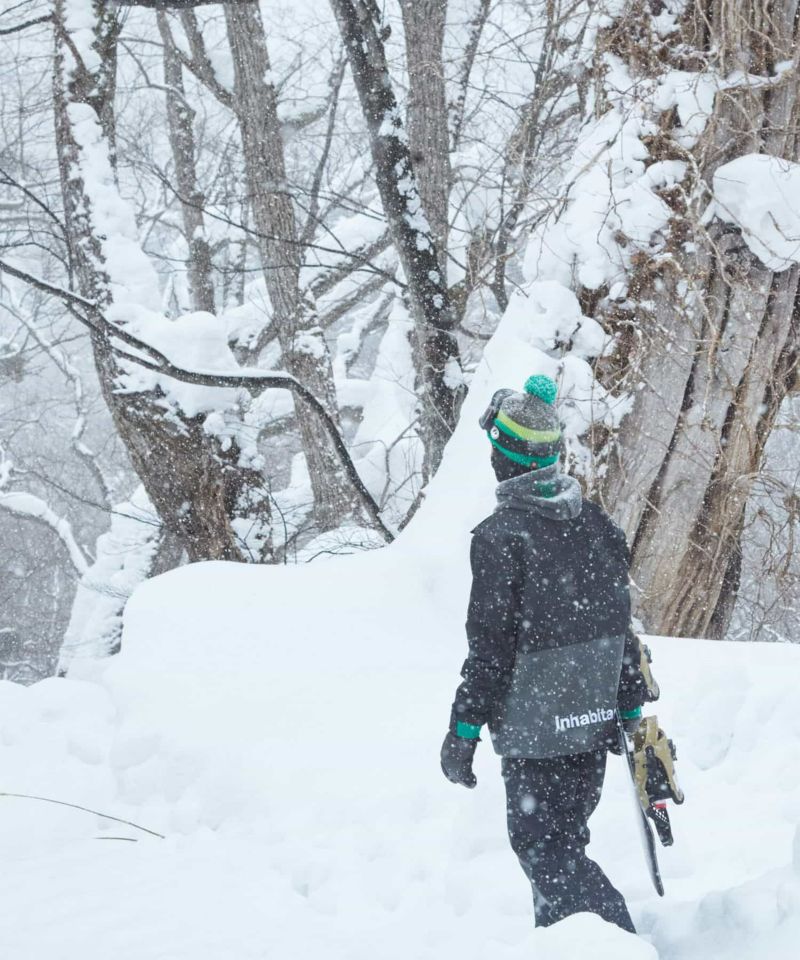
548	805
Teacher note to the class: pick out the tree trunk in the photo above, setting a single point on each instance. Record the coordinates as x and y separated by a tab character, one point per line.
428	134
195	487
305	352
180	118
436	348
710	336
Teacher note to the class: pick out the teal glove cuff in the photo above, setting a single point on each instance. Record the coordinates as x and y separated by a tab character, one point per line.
467	730
631	714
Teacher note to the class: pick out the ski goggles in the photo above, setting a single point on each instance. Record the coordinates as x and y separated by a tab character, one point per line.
489	415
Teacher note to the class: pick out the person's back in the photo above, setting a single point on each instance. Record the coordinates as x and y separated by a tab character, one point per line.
552	656
551	591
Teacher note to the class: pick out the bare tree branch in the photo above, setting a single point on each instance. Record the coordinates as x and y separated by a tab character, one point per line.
360	259
73	377
307	232
24	26
467	62
200	63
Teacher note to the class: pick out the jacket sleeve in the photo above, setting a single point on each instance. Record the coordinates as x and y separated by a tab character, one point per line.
636	683
492	621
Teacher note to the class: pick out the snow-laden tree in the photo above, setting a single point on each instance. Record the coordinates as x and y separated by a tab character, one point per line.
200	483
277	236
678	233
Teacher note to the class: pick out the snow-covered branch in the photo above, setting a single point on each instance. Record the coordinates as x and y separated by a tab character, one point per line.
33	508
147	356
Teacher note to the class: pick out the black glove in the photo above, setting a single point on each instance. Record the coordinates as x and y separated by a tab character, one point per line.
457	754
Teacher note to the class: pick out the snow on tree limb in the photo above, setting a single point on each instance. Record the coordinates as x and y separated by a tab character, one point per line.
147	356
34	508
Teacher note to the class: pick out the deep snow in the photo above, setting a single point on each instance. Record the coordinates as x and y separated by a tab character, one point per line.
293	766
281	727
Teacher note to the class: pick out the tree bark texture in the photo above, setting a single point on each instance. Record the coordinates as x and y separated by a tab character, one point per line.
180	119
195	487
436	347
305	351
428	133
710	337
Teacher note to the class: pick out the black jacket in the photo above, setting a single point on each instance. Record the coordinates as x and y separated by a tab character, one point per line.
545	579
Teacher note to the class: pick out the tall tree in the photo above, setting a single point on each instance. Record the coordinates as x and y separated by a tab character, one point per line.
302	340
364	33
194	482
428	128
180	121
254	102
706	320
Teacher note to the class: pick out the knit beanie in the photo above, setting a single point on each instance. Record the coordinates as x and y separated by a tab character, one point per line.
524	426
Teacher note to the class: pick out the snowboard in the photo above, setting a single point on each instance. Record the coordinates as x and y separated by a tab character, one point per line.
645	828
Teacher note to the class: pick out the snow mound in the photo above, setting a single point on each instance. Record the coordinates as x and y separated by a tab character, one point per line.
590	936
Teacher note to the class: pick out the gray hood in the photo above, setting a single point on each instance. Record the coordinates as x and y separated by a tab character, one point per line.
547	492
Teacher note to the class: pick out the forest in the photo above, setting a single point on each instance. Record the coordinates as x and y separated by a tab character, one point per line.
251	256
263	265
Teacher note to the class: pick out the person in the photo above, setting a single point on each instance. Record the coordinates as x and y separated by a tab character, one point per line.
552	655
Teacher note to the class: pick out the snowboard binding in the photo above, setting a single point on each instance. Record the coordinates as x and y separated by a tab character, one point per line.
654	757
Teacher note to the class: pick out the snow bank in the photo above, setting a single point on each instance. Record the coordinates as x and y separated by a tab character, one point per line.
281	727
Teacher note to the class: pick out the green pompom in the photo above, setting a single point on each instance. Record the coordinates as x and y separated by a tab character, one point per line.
542	387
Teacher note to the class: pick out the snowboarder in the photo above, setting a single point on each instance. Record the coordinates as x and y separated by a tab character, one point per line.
552	655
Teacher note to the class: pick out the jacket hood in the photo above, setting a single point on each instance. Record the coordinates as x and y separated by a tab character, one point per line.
548	492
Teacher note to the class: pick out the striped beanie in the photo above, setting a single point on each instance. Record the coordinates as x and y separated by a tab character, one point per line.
525	427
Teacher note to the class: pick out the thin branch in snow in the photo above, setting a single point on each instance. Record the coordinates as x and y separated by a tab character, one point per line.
77	806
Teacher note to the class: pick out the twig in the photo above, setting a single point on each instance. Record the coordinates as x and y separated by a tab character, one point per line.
77	806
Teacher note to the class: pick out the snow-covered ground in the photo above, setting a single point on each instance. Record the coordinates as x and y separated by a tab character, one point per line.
281	728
